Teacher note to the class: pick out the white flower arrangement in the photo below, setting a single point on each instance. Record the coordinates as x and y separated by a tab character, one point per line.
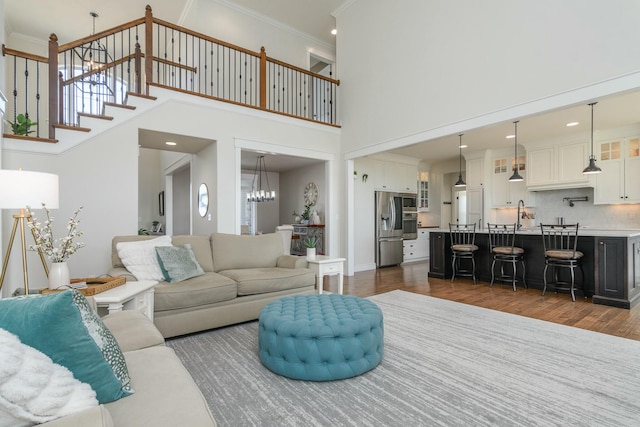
57	250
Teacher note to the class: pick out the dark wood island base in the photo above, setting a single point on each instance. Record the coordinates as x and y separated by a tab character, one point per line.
611	263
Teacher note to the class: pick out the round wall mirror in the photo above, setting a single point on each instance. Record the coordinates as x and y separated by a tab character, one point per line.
203	199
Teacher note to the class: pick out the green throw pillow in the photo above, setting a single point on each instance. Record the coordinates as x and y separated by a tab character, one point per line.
64	327
178	263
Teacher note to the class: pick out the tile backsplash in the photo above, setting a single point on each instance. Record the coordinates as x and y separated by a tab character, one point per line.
549	206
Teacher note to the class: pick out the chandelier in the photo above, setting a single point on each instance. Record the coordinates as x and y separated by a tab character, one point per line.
95	59
258	194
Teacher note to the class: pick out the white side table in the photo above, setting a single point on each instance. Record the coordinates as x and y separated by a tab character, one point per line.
130	296
324	265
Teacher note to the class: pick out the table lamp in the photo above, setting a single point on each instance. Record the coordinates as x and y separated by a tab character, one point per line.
19	189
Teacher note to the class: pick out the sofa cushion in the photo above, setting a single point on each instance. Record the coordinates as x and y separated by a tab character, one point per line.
33	389
232	251
178	263
64	327
166	395
140	257
202	290
201	246
271	279
133	330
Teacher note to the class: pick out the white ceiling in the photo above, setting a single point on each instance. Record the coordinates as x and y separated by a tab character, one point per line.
70	20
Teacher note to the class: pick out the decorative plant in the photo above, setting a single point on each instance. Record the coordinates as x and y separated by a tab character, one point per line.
306	214
143	232
22	125
311	241
57	250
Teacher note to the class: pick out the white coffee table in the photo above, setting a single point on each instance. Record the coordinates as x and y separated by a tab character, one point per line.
324	265
130	296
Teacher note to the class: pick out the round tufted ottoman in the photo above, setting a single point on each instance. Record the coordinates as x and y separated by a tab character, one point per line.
320	337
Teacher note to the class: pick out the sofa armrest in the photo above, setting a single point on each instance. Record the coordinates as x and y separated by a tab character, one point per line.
94	417
292	261
121	272
133	330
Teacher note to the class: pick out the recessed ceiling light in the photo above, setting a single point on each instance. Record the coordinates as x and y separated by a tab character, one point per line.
572	124
170	143
334	31
510	136
463	146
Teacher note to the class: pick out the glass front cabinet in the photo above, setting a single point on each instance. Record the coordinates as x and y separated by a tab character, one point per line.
423	191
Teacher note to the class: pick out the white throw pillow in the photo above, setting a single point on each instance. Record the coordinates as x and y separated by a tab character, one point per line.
35	390
140	257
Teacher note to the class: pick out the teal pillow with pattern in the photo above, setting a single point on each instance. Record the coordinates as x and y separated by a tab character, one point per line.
64	327
178	263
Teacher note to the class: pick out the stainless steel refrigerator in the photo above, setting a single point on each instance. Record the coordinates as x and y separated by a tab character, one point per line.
388	213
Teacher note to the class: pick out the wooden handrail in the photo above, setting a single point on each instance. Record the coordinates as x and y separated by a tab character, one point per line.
7	51
204	36
303	71
97	36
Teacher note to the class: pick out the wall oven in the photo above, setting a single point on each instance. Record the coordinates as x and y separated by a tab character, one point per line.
409	225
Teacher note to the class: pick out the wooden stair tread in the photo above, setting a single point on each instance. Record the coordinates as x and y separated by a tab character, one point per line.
113	104
142	95
76	128
30	138
95	116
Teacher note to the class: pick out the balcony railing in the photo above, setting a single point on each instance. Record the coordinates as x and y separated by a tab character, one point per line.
80	77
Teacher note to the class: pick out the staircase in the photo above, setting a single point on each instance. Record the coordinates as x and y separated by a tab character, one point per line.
91	125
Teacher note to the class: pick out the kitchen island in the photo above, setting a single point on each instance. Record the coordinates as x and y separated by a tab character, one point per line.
611	262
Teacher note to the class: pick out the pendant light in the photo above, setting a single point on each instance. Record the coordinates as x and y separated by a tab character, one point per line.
516	176
460	182
592	168
258	194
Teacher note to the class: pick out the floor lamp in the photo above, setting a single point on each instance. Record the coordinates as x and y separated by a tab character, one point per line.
19	189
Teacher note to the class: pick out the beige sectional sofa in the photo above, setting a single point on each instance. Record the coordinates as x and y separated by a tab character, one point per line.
156	376
241	274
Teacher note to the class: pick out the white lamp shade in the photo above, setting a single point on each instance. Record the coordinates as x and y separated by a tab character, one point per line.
19	189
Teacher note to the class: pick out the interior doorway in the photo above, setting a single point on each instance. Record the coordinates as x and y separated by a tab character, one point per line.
325	67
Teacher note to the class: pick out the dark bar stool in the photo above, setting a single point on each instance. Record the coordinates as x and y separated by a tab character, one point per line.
560	243
463	237
502	239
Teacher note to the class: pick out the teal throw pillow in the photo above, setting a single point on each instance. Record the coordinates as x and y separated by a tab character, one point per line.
178	263
64	327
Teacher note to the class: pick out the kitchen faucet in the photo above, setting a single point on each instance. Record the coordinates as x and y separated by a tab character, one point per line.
520	202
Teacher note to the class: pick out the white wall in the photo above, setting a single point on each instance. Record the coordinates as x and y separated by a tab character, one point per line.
410	68
292	184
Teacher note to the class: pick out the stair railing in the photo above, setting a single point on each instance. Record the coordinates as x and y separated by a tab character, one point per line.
100	69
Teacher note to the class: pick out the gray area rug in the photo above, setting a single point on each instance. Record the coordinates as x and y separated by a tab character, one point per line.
445	363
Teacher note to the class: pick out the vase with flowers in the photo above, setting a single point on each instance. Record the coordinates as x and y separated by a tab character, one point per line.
57	250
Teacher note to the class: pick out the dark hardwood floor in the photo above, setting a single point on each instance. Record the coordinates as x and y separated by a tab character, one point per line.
552	307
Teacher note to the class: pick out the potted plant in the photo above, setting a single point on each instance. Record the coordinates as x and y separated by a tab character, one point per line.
306	215
22	125
311	242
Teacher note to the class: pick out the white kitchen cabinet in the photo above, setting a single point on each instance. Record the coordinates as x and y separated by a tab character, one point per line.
620	164
423	191
475	172
558	167
418	249
389	176
505	193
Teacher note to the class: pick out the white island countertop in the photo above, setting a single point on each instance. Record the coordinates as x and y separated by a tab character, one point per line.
584	231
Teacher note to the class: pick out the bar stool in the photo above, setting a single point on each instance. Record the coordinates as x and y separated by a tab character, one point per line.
502	239
560	251
463	237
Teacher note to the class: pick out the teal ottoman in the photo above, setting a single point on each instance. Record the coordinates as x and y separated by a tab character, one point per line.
320	337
